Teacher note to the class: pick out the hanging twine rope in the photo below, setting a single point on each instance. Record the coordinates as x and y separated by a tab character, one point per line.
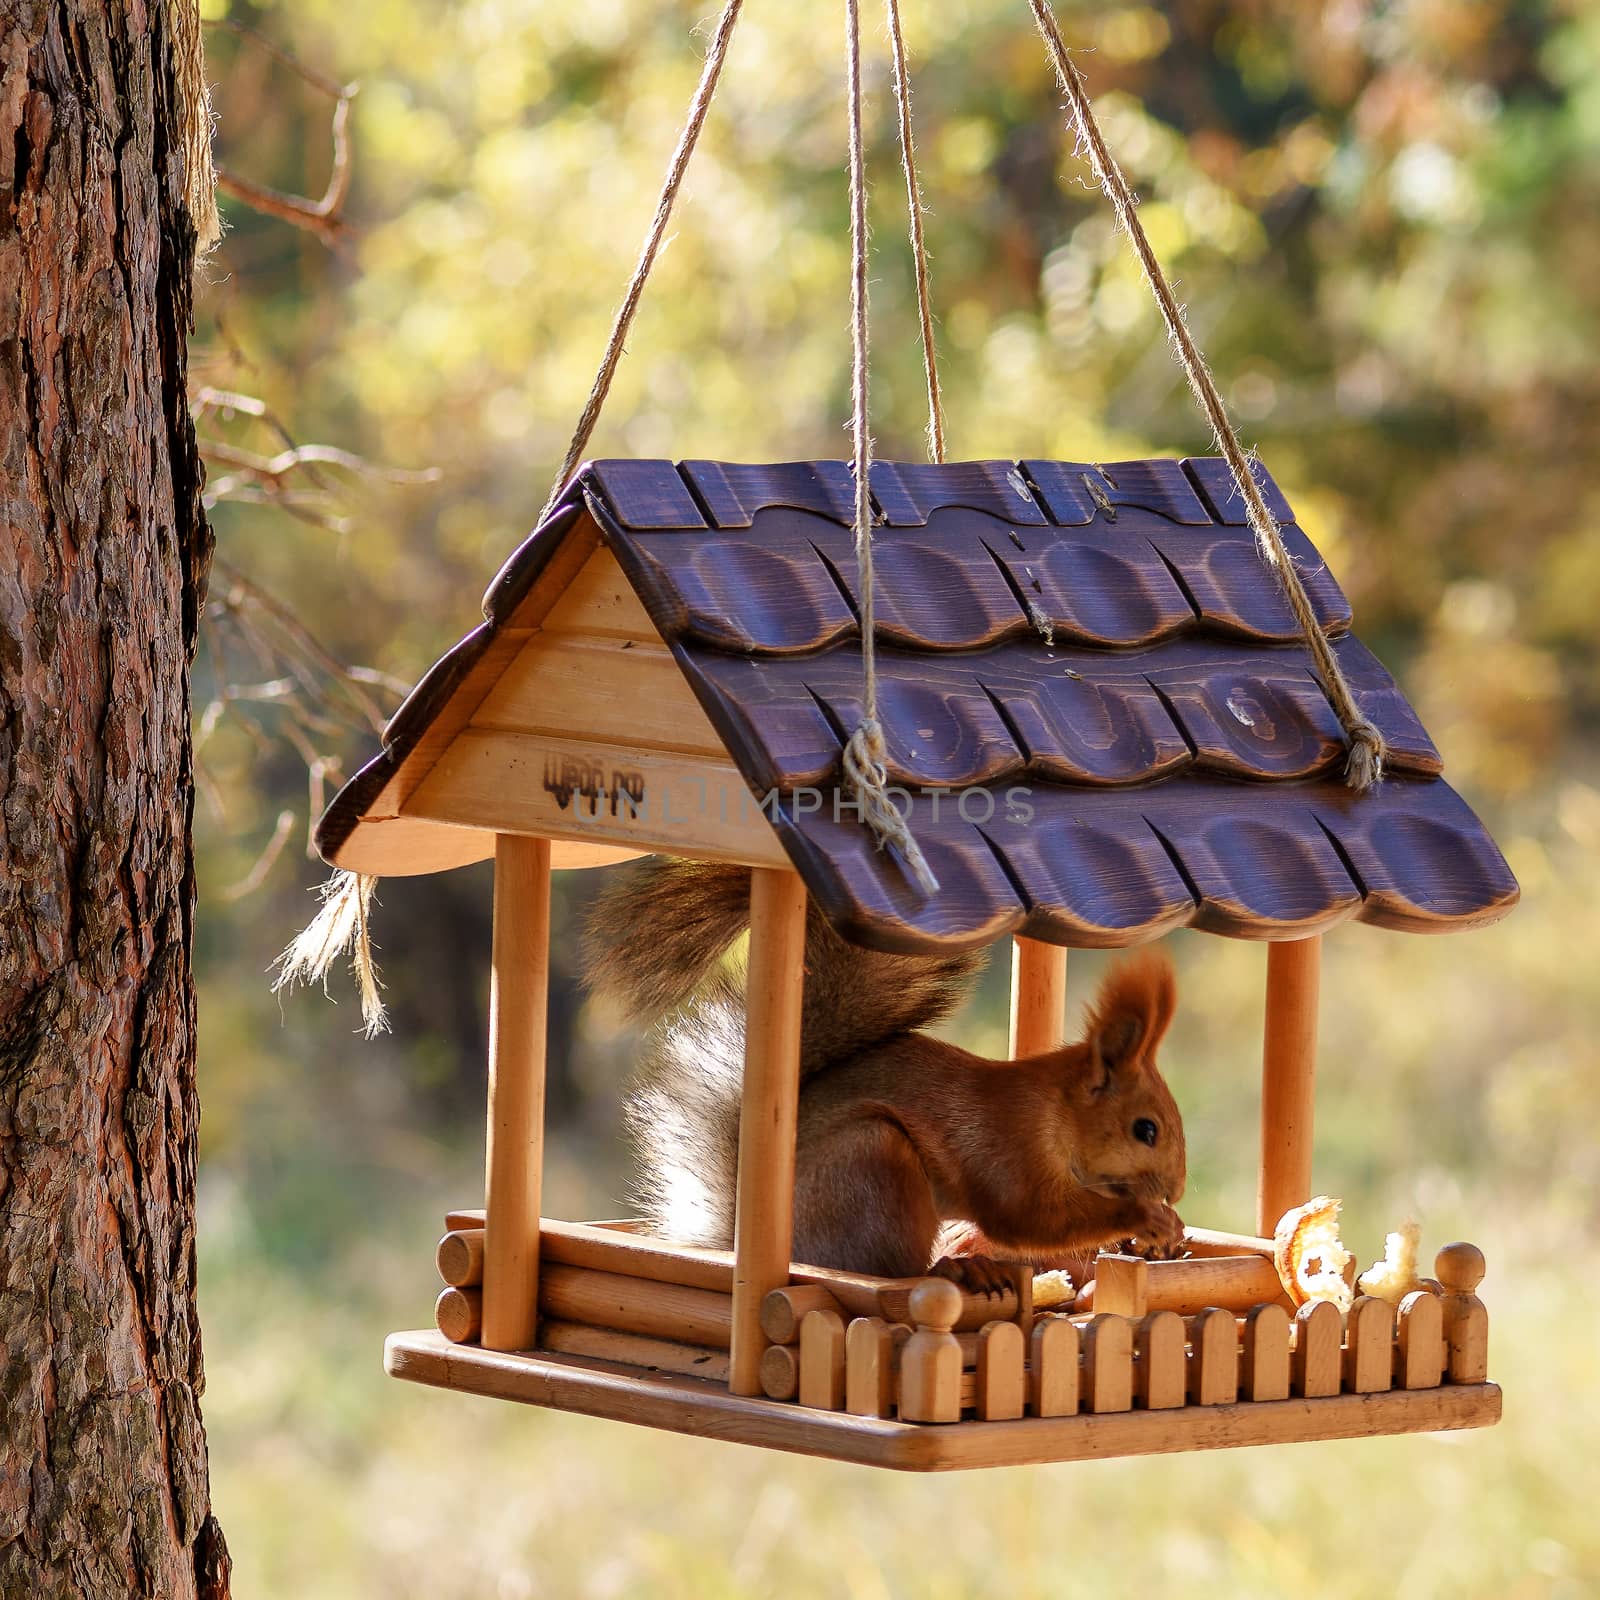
864	752
195	122
341	924
919	247
699	106
1364	766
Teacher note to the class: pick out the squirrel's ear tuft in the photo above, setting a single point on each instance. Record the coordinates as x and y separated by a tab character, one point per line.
1130	1014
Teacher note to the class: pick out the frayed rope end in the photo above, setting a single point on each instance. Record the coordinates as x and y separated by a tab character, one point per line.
864	771
1364	767
340	925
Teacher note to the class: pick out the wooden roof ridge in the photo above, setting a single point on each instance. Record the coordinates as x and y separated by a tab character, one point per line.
1103	637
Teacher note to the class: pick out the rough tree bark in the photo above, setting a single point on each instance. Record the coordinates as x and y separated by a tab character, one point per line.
103	556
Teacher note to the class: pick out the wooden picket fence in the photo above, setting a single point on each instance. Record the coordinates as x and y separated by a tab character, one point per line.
1103	1362
925	1351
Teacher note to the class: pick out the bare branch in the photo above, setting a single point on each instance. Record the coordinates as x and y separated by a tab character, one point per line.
308	646
227	404
241	489
314	701
271	677
317	775
286	461
381	680
278	479
276	689
226	400
265	862
235	352
324	217
283	57
210	639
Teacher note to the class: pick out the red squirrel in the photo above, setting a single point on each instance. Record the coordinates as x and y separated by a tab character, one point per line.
912	1154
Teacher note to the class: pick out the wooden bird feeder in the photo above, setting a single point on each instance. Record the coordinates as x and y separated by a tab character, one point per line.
1106	726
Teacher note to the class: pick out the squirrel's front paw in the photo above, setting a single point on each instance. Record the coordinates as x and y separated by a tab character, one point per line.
975	1274
1157	1235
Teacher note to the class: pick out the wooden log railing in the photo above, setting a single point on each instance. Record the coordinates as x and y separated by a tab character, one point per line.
923	1350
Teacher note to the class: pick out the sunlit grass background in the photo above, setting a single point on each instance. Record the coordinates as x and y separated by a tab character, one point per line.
1383	219
334	1481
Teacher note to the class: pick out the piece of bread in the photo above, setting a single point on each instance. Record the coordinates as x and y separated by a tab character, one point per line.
1310	1256
1394	1277
1052	1289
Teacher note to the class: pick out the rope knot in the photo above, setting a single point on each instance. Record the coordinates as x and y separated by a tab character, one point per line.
1364	766
867	779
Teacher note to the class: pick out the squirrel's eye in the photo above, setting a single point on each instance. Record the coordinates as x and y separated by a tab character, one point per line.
1145	1131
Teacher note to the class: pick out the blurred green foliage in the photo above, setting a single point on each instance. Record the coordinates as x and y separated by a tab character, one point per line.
1385	218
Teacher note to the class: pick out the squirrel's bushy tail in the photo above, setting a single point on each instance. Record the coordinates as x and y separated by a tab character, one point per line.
658	944
683	1119
658	931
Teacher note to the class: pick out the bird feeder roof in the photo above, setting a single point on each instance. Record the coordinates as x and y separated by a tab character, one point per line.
1096	702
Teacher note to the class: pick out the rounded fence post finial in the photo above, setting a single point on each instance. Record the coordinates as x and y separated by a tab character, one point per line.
935	1304
1460	1267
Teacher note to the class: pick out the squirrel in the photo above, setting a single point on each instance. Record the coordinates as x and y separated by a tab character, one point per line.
912	1155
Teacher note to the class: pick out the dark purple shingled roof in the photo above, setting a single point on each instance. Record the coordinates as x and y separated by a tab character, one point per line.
1107	639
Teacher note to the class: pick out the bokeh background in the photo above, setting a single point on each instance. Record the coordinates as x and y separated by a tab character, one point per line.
1385	218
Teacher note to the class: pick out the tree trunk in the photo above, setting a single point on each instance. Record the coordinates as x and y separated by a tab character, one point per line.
103	557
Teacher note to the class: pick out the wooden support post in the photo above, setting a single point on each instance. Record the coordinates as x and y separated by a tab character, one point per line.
517	996
1038	997
1288	1072
1022	1281
764	1209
